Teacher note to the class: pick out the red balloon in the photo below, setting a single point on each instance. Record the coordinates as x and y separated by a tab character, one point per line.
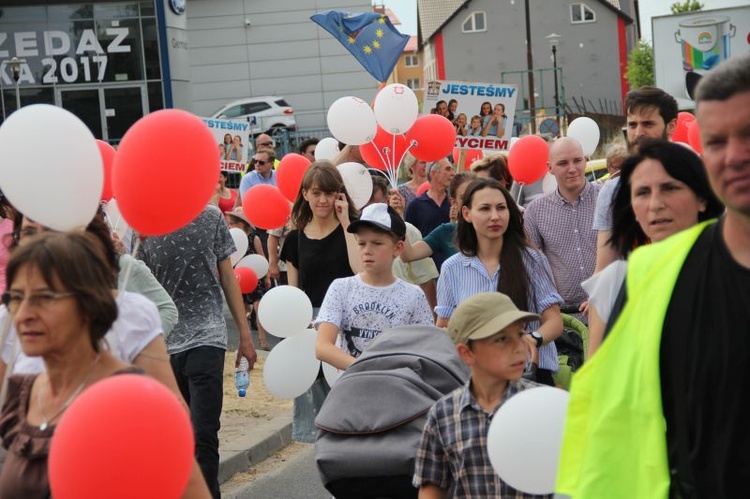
123	426
681	129
289	173
422	188
247	278
108	157
165	171
371	152
694	137
434	136
527	159
266	207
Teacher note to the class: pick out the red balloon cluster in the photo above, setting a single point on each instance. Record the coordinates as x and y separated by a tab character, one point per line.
108	157
123	426
372	151
527	159
247	279
680	133
433	137
165	171
289	173
266	207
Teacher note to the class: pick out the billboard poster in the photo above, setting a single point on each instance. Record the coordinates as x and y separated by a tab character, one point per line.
688	45
482	113
233	140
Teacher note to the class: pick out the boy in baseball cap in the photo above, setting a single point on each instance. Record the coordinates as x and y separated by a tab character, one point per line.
489	331
364	305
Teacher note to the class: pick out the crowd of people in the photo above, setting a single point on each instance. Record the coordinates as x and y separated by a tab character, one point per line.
655	261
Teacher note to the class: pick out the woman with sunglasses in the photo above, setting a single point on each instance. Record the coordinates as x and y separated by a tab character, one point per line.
495	255
60	300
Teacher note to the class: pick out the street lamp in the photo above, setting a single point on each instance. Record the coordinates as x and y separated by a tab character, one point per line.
15	71
554	40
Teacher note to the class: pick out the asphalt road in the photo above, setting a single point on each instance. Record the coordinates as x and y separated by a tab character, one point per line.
296	477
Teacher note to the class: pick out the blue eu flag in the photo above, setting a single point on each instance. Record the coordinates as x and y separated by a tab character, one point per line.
370	37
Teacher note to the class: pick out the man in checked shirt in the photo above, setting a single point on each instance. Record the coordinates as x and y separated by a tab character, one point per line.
559	223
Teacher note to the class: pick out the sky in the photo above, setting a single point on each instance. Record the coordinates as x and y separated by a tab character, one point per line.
406	11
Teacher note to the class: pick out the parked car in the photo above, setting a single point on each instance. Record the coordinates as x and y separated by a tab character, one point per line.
265	114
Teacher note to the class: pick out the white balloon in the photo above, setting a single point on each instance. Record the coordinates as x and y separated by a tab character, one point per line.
327	149
285	310
352	121
549	183
331	374
256	262
396	108
525	438
358	182
586	131
52	170
291	367
240	242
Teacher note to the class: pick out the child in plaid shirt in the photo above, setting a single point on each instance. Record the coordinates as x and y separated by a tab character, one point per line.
452	458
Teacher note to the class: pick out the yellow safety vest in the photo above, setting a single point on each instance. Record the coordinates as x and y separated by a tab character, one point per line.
614	442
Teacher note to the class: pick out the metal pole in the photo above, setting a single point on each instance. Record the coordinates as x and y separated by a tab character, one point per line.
18	98
530	64
557	97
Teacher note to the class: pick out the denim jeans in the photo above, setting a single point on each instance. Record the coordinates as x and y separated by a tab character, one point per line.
200	375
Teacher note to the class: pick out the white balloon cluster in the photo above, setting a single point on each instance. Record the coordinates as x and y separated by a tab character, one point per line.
586	131
291	367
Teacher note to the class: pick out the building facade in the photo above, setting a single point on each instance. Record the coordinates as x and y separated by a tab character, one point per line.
485	41
111	62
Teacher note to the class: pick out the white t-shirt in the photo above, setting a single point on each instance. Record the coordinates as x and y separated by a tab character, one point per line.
362	312
137	325
604	286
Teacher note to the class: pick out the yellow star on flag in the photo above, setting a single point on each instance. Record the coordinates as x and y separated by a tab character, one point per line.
350	40
367	49
381	20
376	44
379	33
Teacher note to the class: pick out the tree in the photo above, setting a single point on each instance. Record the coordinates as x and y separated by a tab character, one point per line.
640	72
686	6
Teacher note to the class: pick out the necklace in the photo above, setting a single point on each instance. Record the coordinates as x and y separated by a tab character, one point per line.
45	420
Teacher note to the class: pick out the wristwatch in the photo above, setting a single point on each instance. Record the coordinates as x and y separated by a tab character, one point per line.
538	337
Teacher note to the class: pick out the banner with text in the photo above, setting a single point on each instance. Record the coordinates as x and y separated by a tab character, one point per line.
481	112
233	139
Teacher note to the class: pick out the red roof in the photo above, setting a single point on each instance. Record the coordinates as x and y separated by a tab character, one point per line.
411	45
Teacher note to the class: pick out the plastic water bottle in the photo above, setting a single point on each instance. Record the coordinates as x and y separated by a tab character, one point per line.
242	377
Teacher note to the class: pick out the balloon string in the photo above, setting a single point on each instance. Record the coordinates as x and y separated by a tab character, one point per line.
380	154
129	267
394	165
520	190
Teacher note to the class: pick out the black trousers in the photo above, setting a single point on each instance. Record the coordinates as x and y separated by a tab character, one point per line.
199	372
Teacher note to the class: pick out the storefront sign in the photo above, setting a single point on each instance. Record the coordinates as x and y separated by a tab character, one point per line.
62	60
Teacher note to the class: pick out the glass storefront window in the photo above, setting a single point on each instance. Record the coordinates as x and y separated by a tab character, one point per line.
70	12
115	10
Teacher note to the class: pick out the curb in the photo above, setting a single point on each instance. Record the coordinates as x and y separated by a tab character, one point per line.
268	438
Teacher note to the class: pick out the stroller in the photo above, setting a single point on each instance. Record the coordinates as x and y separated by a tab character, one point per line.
371	422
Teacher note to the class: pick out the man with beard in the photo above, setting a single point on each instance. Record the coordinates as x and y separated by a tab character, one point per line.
651	114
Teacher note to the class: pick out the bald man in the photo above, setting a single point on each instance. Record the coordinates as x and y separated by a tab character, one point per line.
560	223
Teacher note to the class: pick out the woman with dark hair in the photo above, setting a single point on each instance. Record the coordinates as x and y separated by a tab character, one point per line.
494	166
317	251
7	214
60	299
663	190
494	255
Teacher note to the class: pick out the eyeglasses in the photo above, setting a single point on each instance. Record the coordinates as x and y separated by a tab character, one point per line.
266	143
42	299
261	162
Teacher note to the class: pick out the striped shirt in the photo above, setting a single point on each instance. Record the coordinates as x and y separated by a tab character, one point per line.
563	232
464	276
453	453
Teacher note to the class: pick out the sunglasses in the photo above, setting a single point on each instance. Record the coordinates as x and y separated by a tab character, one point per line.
266	143
261	162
